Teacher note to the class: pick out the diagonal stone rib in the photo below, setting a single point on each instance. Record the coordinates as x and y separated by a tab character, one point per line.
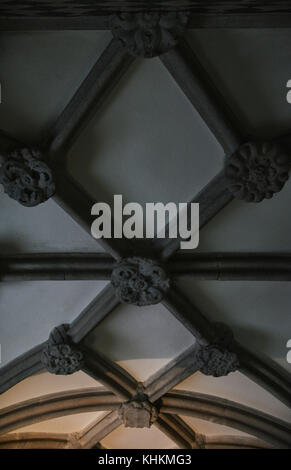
93	314
109	373
90	96
177	430
185	68
212	199
98	430
171	375
263	371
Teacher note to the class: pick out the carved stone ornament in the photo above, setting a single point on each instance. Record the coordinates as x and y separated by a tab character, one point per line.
149	34
217	359
138	413
257	170
26	178
60	357
139	281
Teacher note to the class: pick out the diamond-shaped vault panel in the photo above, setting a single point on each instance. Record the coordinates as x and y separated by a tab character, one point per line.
135	333
146	131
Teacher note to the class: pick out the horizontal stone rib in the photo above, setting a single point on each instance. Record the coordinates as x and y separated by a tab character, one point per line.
232	266
56	266
96	266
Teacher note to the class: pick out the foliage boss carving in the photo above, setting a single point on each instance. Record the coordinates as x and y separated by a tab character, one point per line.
60	356
257	171
26	178
139	281
217	359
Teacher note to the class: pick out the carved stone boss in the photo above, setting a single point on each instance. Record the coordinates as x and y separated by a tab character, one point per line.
139	281
26	177
138	412
217	358
60	357
257	170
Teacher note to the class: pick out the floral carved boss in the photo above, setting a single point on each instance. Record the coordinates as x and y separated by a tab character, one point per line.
257	170
139	281
27	178
217	358
59	356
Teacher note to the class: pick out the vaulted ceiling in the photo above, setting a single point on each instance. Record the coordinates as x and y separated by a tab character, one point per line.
152	129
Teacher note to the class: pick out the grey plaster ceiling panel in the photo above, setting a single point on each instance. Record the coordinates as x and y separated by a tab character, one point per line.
251	68
39	73
137	141
134	333
44	228
255	311
251	227
30	310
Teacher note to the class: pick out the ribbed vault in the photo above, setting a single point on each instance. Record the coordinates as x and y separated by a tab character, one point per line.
215	352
